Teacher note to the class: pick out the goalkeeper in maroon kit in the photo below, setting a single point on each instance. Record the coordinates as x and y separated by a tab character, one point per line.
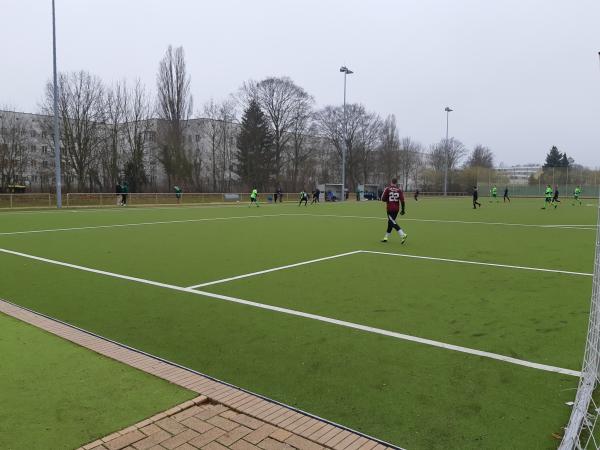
394	201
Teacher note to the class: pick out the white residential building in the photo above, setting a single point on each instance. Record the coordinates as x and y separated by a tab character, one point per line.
520	174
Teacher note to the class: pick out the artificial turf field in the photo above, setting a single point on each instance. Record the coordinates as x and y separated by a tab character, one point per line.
57	395
131	270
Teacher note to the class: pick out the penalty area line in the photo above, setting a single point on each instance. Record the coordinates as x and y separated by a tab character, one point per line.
405	255
292	312
479	263
274	269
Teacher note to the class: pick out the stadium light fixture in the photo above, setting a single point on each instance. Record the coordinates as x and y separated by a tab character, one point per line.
57	158
448	111
346	72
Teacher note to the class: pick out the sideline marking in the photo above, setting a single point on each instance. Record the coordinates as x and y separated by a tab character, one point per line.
136	224
274	269
92	227
405	337
462	261
112	208
508	224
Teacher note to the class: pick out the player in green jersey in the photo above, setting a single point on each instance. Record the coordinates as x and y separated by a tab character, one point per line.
548	193
576	195
494	194
254	197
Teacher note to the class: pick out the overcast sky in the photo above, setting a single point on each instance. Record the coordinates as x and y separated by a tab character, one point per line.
521	75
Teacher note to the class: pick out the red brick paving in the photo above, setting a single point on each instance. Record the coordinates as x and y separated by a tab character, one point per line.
221	417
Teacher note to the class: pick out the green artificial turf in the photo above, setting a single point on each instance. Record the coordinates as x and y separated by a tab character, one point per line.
58	395
410	394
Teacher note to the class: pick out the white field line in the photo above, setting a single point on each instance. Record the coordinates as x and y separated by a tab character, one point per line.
479	263
431	258
107	208
136	224
292	312
93	227
467	222
274	269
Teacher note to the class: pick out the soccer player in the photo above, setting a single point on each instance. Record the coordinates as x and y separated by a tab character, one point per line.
555	200
178	192
494	194
119	190
303	198
576	195
417	195
125	191
279	193
506	197
475	198
394	201
315	196
547	196
254	197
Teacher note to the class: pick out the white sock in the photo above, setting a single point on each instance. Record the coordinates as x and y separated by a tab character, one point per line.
401	232
387	235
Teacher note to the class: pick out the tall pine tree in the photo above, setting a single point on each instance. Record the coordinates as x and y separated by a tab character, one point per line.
554	158
255	149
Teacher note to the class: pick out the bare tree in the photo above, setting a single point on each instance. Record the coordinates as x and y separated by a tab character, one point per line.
227	115
410	155
481	157
174	108
214	135
389	157
13	149
301	146
356	131
280	98
109	155
368	138
448	152
81	110
137	133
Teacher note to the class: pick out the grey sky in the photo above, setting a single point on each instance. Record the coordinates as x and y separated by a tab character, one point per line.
521	75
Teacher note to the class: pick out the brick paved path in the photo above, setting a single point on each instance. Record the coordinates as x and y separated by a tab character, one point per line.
222	417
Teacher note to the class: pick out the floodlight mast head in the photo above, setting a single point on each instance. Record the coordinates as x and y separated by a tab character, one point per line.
345	70
448	109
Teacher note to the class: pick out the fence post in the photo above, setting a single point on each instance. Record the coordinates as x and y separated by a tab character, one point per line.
68	199
49	201
11	200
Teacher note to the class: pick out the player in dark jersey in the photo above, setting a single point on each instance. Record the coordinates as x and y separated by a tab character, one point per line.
394	202
315	196
555	200
475	198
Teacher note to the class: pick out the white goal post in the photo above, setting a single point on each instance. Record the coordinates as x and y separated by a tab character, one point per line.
581	432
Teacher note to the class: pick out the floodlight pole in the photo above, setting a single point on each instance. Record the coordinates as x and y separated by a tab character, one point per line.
346	72
57	158
448	111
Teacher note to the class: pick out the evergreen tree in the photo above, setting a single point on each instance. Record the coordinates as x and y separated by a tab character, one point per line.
553	158
255	148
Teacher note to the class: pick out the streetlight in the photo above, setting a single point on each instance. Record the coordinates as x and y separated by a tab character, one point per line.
448	111
56	130
346	72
